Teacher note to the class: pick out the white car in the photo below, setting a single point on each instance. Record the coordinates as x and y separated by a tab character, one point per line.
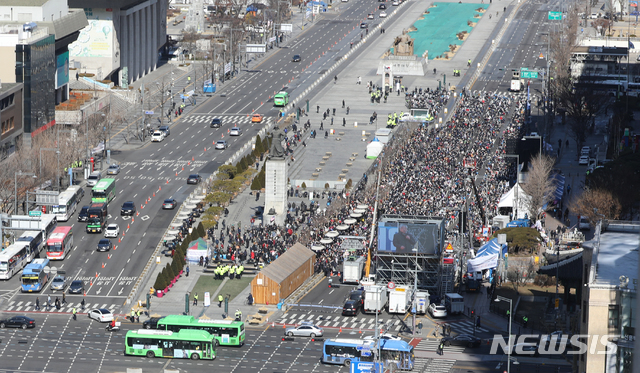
101	315
221	145
305	330
437	310
157	136
93	179
585	150
370	16
395	3
112	230
383	14
235	131
583	160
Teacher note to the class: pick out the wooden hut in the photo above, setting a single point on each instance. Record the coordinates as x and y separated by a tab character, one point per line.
283	276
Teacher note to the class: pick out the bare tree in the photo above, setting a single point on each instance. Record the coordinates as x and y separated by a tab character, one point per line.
581	104
593	203
539	186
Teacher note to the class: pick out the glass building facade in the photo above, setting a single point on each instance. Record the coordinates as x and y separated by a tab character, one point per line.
36	68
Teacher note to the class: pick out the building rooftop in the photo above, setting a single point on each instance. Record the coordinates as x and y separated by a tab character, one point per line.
23	2
617	51
8	86
617	256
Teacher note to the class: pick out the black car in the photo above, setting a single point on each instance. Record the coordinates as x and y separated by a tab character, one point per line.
216	123
351	308
194	179
83	215
165	129
152	323
462	340
169	204
105	245
18	322
382	7
296	58
364	25
76	287
128	209
357	296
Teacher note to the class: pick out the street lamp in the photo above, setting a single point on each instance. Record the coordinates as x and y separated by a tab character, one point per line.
15	195
503	299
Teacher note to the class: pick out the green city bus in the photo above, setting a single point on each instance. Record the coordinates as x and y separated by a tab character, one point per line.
104	191
281	99
226	332
185	344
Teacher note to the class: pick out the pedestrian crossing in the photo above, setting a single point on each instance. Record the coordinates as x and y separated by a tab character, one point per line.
420	364
439	365
464	327
28	306
432	345
226	119
346	322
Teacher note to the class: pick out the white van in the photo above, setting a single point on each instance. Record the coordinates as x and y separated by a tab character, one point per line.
583	223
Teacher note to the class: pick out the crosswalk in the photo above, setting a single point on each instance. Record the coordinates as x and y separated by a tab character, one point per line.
432	345
27	306
465	327
226	119
420	364
336	321
439	366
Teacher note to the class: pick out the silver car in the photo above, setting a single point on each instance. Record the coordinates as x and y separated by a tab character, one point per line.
58	283
221	145
114	169
304	330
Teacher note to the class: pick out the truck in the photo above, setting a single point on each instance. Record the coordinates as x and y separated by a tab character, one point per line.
517	83
422	302
352	269
400	300
454	303
97	217
375	298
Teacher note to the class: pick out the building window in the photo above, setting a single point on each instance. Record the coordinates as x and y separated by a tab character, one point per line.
614	316
7	125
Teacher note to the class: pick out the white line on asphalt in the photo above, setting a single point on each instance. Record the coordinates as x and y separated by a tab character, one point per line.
134	251
116	281
144	234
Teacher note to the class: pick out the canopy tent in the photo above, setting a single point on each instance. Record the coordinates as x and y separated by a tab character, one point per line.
492	247
197	249
374	148
509	200
487	256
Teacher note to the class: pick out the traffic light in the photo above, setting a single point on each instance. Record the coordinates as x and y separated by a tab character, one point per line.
473	312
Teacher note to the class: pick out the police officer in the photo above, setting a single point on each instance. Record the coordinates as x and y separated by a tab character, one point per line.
74	313
133	315
220	300
195	299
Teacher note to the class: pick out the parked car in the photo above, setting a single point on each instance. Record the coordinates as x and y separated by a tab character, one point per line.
350	308
585	151
83	215
584	160
306	329
221	145
76	287
152	323
105	244
216	123
101	315
462	340
165	129
169	204
235	131
112	230
23	322
157	136
59	282
194	179
437	310
114	169
128	209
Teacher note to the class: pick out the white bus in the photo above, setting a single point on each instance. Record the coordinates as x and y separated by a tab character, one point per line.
13	259
67	203
35	242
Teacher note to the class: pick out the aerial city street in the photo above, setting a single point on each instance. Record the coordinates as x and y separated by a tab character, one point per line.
319	186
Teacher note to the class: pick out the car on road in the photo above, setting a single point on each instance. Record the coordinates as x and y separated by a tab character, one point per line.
351	308
256	118
152	323
157	136
382	7
584	160
296	58
59	282
216	123
83	215
169	204
194	179
383	14
235	131
165	129
364	25
467	340
101	315
357	296
23	322
370	16
437	310
585	151
114	169
304	330
395	3
93	179
128	209
105	244
112	230
583	223
76	287
221	145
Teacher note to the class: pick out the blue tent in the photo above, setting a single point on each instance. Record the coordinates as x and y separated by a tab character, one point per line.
492	247
518	223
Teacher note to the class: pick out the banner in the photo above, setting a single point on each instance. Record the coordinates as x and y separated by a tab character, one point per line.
481	263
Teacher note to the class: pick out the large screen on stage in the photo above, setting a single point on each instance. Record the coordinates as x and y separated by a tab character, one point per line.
407	238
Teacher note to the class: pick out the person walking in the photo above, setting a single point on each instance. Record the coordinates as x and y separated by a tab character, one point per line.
48	301
343	104
441	348
220	300
82	304
37	304
64	299
74	313
195	299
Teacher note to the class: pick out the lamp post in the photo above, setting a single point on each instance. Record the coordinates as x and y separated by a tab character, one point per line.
503	299
15	193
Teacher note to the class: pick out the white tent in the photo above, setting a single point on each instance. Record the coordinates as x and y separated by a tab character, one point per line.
374	148
509	200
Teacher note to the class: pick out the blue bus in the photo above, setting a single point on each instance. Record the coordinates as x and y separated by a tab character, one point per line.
347	351
34	277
